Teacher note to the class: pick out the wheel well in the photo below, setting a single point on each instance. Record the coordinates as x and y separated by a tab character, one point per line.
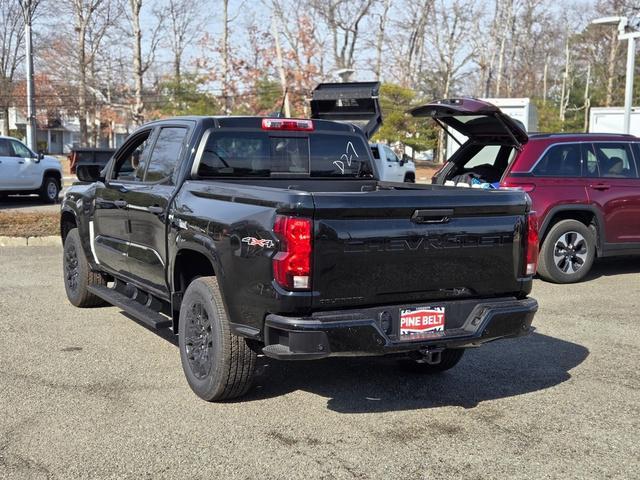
53	173
67	223
188	266
410	175
583	216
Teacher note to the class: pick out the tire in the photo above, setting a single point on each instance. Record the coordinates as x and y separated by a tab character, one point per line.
50	190
567	252
408	178
218	364
449	358
78	275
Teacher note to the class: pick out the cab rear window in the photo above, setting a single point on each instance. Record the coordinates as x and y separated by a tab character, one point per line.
259	154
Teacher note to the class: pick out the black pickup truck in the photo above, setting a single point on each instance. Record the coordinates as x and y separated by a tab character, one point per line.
273	236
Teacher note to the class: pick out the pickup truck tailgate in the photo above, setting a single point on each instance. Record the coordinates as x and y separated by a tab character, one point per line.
415	244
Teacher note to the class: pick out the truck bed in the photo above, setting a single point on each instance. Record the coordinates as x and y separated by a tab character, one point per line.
373	242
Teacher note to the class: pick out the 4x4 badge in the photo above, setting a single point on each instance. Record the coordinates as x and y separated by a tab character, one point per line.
259	242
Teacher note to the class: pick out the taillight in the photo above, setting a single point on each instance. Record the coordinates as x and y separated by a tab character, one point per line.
292	264
531	245
525	187
290	124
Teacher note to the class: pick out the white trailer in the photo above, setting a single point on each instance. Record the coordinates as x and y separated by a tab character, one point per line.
611	120
522	109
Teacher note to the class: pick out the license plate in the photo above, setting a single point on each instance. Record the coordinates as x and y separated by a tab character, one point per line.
420	320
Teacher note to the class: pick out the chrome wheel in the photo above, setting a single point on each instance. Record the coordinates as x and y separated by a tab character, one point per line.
198	341
570	252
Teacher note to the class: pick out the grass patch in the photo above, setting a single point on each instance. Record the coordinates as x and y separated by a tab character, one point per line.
28	224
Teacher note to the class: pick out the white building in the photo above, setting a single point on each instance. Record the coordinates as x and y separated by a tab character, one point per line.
611	120
59	135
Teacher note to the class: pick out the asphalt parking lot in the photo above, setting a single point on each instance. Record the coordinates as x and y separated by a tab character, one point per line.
93	394
33	204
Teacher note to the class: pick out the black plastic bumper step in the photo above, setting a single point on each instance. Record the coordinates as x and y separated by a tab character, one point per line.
145	315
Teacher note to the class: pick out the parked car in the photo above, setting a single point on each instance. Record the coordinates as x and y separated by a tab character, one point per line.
392	168
251	235
86	162
23	171
585	188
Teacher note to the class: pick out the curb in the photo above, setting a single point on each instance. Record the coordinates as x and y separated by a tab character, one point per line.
51	241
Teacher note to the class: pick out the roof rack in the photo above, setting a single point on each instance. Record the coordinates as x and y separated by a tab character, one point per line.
579	134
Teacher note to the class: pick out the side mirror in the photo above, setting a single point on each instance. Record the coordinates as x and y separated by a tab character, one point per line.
39	156
402	161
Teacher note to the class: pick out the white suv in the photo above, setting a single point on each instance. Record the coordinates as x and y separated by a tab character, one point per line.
23	171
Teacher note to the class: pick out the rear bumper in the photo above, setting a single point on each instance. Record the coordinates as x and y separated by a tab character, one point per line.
375	331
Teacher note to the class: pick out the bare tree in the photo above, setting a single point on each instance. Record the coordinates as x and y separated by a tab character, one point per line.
185	24
380	36
448	53
141	61
91	20
302	40
407	50
506	18
11	55
225	57
343	19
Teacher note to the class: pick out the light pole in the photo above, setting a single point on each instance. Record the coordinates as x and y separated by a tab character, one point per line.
627	30
28	7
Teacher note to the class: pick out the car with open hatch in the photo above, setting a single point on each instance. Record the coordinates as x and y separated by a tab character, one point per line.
584	188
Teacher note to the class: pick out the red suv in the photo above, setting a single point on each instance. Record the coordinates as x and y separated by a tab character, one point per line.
585	188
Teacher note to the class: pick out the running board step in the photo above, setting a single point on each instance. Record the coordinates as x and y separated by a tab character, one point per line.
140	312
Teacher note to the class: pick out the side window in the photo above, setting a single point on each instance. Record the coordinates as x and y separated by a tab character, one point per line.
19	150
376	152
5	148
615	160
390	154
165	154
562	160
591	162
130	163
236	154
636	154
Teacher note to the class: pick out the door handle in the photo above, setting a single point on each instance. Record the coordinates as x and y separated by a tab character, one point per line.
441	215
21	162
120	203
600	186
156	209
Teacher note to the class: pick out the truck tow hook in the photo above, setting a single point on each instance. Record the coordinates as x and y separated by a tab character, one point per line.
432	356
